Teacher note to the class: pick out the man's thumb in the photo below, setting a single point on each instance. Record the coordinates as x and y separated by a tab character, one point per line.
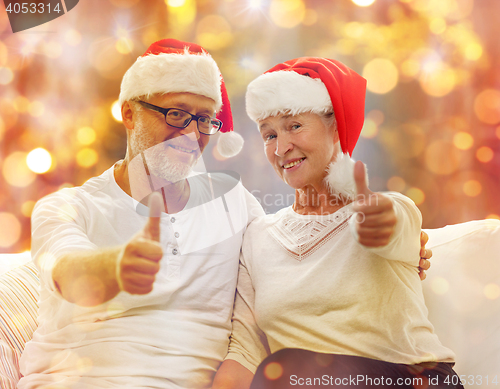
152	227
360	179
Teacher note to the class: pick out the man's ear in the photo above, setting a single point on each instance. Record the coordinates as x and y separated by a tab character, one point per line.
128	115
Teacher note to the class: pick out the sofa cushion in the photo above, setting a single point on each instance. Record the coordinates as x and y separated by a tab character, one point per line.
18	319
462	293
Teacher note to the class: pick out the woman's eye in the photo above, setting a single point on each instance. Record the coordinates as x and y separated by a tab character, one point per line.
295	126
269	137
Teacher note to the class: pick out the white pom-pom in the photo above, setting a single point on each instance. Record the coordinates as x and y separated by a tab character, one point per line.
229	144
340	177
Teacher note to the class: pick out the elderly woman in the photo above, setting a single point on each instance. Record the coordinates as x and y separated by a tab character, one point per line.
328	289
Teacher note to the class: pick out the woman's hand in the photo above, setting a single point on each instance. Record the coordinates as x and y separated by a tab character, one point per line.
375	218
425	255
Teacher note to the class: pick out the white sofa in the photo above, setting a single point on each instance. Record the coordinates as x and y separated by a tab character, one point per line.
462	291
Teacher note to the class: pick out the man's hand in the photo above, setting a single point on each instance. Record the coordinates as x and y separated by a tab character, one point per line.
375	219
425	255
139	261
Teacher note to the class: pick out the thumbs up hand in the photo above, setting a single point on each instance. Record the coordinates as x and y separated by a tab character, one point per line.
139	260
375	218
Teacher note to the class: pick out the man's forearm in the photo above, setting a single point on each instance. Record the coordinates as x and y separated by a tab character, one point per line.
87	278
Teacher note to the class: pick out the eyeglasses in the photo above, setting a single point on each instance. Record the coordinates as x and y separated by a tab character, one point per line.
179	118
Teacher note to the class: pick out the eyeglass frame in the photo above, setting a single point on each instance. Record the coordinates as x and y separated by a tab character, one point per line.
164	111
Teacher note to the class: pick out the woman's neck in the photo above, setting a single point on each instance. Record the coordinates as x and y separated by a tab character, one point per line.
312	201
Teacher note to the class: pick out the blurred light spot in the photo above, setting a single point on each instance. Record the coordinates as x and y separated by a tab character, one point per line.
346	46
396	184
287	13
72	37
52	49
487	106
2	128
124	45
255	4
463	140
310	17
36	109
376	116
493	216
10	229
39	160
214	32
105	58
369	130
472	188
410	67
442	157
21	104
16	171
473	51
437	25
27	208
363	3
354	30
416	194
440	286
124	3
381	74
6	76
4	52
84	365
273	371
182	13
484	154
86	135
438	82
116	111
492	291
87	157
175	3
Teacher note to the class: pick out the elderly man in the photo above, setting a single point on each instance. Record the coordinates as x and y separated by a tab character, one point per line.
131	298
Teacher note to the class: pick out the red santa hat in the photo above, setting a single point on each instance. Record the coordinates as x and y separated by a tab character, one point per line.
172	66
309	84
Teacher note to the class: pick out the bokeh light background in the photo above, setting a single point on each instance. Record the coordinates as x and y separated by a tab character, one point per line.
432	127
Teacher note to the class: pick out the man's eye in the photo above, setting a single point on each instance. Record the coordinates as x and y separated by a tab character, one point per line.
204	119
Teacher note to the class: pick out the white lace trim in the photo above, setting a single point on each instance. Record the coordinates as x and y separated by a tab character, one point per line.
301	236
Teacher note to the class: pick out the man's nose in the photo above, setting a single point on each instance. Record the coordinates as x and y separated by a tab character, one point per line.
191	130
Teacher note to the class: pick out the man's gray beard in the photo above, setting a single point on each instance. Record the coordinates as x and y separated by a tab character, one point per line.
166	169
158	164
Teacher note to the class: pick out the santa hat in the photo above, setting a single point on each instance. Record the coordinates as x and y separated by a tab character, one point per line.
172	66
317	85
308	84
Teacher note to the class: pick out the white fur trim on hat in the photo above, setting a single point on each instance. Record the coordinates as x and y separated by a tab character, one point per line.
229	144
285	91
340	177
172	73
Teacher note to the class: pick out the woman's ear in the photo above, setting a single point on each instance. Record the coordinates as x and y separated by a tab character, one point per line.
128	115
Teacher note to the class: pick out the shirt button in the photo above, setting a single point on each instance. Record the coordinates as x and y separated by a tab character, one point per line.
176	234
174	251
172	220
